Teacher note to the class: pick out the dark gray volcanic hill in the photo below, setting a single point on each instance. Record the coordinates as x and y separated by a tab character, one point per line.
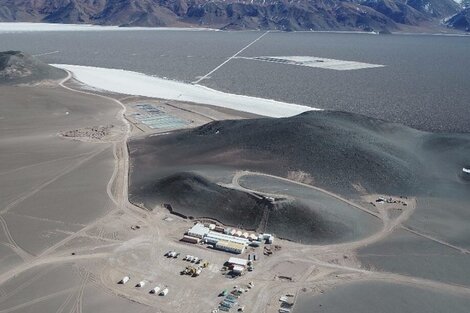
185	191
191	195
379	15
18	67
342	152
338	149
460	20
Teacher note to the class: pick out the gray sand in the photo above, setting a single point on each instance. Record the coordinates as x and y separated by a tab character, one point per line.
49	185
373	297
408	254
349	222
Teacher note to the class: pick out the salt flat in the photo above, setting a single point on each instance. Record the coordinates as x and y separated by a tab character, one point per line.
134	83
54	27
315	62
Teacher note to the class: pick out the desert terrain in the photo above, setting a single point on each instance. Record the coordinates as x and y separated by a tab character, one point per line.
356	212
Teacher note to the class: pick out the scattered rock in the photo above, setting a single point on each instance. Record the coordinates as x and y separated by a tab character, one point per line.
90	133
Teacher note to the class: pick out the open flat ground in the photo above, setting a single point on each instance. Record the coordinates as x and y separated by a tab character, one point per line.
69	232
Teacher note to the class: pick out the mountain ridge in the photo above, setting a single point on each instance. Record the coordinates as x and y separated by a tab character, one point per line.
356	15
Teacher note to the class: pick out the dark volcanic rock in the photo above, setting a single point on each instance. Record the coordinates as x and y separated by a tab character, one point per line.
192	195
336	148
339	150
18	67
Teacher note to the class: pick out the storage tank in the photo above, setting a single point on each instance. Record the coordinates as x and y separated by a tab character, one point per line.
164	292
124	280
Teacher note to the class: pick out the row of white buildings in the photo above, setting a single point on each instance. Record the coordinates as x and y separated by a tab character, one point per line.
227	239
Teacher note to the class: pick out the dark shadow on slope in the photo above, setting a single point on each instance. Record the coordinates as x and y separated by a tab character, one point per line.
17	67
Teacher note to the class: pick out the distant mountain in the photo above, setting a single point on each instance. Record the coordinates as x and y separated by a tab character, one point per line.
367	15
413	12
17	67
460	20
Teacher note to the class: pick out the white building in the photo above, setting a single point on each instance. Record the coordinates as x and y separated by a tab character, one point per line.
198	231
213	237
238	261
238	270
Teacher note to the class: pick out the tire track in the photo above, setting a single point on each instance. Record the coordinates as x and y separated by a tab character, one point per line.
66	302
26	283
37	300
44	162
24	255
49	260
78	305
439	241
50	181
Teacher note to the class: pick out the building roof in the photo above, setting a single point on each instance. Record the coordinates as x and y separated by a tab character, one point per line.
198	230
230	245
238	261
220	236
238	268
